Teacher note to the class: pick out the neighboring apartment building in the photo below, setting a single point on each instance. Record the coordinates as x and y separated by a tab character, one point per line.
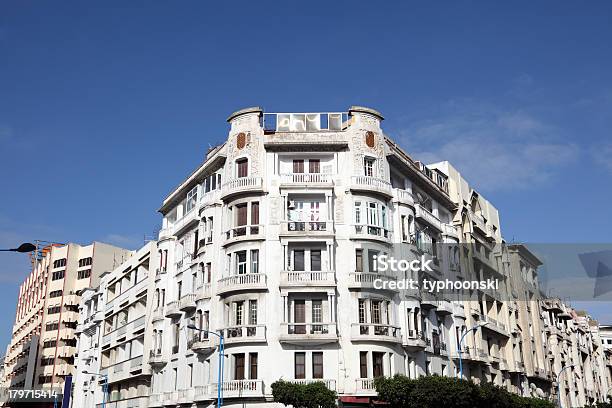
271	242
115	334
42	349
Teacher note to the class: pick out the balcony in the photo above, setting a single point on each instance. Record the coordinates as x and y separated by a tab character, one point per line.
188	302
479	222
241	388
365	280
306	180
247	281
403	196
414	340
496	326
244	334
241	185
444	307
365	386
156	358
450	230
307	228
203	291
329	383
308	333
244	233
204	393
210	197
425	215
375	332
173	309
372	232
308	279
201	343
158	314
371	184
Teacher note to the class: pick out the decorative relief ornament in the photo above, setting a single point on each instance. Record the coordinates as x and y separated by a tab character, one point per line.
241	140
369	139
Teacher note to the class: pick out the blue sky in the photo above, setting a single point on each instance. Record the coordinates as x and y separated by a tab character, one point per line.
104	107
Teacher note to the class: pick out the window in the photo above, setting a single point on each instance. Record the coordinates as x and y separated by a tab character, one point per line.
298	166
238	313
371	254
242	167
368	166
52	326
363	364
252	366
317	311
315	260
84	274
59	263
54	310
239	366
191	200
176	331
241	263
254	260
300	365
362	311
298	260
377	364
253	312
358	260
241	216
255	217
314	166
85	262
55	293
58	275
49	344
317	365
46	361
376	311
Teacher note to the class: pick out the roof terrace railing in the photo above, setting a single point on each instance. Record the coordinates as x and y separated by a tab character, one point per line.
305	122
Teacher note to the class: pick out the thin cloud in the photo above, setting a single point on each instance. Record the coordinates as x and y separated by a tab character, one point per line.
493	148
125	241
603	156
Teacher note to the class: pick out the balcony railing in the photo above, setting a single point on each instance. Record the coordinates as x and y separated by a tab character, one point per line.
367	231
188	302
365	385
242	282
203	291
329	383
305	332
424	214
307	227
172	309
244	232
306	178
403	196
241	184
156	357
372	331
358	280
241	388
370	183
308	278
246	333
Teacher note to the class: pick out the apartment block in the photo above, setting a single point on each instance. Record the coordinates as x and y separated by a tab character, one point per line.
115	334
270	243
43	345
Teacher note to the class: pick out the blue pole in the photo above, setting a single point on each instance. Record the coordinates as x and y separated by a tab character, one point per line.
460	351
222	356
220	365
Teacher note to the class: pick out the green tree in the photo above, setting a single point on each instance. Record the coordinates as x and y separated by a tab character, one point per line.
313	395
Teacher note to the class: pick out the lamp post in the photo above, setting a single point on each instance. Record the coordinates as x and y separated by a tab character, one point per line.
25	247
104	386
559	382
473	329
221	358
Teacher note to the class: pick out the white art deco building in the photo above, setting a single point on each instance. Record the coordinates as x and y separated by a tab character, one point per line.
270	242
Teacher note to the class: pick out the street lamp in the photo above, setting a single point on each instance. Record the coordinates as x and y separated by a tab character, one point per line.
221	358
25	247
104	386
473	329
559	382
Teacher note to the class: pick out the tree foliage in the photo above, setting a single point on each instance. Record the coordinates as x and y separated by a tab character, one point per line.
435	391
313	395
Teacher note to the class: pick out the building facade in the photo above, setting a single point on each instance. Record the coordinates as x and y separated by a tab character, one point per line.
271	243
115	335
43	345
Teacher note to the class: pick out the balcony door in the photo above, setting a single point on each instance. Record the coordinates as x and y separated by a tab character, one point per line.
299	316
